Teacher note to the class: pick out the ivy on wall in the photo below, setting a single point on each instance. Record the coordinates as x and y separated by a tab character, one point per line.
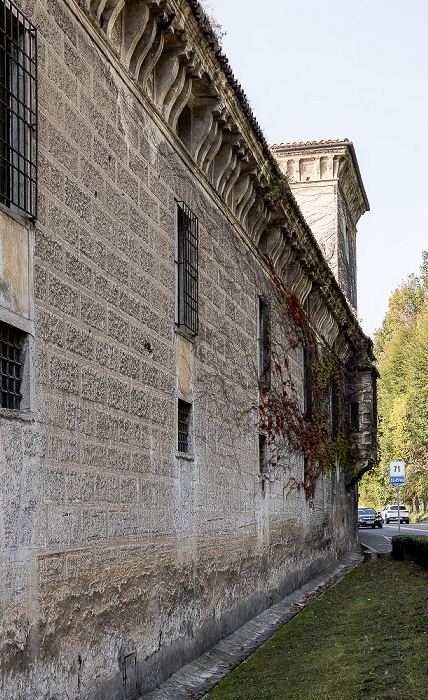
316	430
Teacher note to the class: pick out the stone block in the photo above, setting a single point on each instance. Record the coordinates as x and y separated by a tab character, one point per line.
94	385
63	449
94	525
118	327
79	340
78	200
93	312
79	486
140	521
139	404
51	177
50	328
64	374
129	490
119	523
106	354
94	455
77	65
106	289
106	488
62	150
64	526
62	225
130	304
129	365
92	178
49	250
162	410
118	394
90	112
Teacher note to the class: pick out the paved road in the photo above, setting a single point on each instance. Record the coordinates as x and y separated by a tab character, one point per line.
380	539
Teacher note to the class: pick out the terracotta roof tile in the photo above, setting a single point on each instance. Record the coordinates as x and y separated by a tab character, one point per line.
302	144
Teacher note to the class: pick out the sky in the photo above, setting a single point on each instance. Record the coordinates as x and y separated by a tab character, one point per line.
356	69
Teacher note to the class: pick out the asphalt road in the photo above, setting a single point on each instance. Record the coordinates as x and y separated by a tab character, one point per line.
379	539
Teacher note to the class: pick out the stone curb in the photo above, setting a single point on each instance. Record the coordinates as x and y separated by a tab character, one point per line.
369	553
198	677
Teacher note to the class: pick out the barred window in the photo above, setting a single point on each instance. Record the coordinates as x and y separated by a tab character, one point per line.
184	425
187	269
11	341
18	117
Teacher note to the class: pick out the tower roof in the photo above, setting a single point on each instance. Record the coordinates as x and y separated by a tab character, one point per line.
329	145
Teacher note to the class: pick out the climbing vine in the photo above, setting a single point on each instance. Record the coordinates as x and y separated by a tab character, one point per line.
315	431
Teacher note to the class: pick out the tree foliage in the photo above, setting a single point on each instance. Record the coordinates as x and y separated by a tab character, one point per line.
401	347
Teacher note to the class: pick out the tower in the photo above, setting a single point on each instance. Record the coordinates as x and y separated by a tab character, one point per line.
325	179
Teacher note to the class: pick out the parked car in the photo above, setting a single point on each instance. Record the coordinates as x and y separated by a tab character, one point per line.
390	512
367	517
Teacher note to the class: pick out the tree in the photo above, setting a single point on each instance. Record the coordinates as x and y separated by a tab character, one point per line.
401	346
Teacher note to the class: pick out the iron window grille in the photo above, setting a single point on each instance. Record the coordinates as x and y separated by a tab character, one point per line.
11	341
184	425
187	269
18	115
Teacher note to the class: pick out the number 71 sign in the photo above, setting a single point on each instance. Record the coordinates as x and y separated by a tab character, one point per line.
397	473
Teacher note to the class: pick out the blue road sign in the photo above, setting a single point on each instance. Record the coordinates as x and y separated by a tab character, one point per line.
397	480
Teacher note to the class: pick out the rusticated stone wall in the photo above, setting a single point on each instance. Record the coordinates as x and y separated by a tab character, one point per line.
121	558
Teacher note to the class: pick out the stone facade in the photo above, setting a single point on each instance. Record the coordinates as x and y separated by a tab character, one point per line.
122	557
325	179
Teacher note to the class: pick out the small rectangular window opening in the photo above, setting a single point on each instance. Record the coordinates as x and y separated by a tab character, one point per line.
334	408
18	115
264	343
355	415
11	341
187	269
307	383
263	454
184	426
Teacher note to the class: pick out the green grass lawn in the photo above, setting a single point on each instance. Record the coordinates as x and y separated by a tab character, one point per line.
365	638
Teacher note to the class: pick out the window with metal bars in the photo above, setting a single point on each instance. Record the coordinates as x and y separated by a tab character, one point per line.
187	269
18	115
11	341
184	426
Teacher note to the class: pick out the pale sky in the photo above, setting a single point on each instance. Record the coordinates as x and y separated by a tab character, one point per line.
356	69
